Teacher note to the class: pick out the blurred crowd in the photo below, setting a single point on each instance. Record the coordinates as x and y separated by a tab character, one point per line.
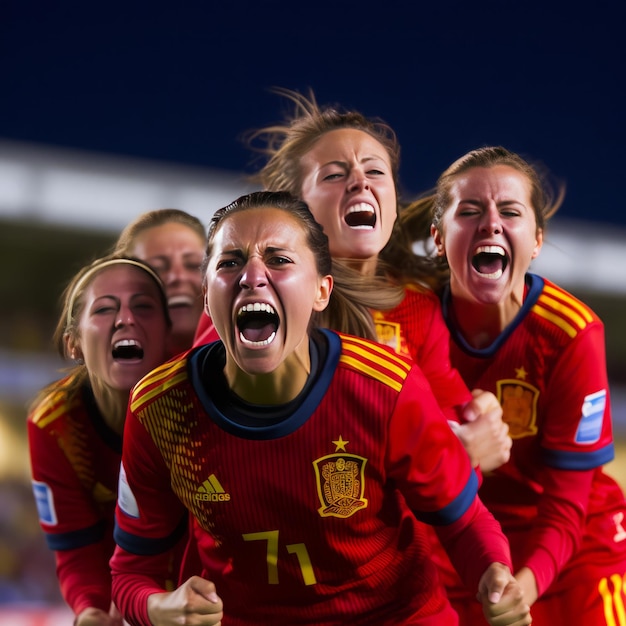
26	563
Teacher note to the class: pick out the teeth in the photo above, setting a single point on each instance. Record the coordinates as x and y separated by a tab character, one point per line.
179	300
494	275
265	342
361	207
256	307
125	343
491	250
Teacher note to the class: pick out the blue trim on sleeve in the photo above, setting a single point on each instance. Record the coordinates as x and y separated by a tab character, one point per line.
76	538
578	460
147	546
453	511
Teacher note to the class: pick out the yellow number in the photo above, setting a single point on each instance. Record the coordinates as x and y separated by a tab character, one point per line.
271	536
613	602
299	549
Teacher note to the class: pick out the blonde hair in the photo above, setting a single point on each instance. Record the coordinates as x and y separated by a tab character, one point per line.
71	309
284	144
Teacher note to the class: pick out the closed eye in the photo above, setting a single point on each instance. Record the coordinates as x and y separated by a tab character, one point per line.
334	176
279	260
145	305
227	263
467	212
101	310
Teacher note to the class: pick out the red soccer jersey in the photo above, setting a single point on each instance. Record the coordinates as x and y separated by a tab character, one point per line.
556	506
75	460
302	503
415	328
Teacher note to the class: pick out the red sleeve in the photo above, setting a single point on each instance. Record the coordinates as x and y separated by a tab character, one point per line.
573	447
148	515
434	360
432	470
473	543
577	430
424	456
134	580
557	531
84	577
83	572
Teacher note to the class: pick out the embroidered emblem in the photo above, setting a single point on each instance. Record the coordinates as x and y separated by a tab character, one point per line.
340	482
388	333
519	406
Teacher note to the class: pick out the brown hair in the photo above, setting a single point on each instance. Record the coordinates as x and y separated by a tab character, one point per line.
284	144
151	219
545	199
352	295
546	195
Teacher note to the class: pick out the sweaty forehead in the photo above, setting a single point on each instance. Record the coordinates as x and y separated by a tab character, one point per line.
345	144
499	181
258	228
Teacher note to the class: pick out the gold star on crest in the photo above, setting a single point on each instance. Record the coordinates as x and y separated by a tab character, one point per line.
521	373
340	444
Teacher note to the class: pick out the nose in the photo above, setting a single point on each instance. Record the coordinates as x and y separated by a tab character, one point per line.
491	222
357	180
253	274
124	317
172	274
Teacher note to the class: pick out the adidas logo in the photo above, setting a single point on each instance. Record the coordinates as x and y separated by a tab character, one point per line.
211	491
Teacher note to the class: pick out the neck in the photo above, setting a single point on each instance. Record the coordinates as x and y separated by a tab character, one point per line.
276	387
481	323
365	267
112	404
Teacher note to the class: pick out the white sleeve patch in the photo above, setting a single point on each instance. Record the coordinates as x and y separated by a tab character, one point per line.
125	497
45	503
592	418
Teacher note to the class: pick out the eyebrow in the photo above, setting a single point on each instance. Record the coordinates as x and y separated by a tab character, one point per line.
278	249
238	252
363	160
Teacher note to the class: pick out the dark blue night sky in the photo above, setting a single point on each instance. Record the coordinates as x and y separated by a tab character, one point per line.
180	82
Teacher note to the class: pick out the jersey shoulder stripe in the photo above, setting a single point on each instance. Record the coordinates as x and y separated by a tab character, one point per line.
56	405
560	308
375	361
157	382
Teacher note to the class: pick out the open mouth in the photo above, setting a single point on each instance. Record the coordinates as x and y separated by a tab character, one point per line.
361	216
127	350
179	301
257	324
490	261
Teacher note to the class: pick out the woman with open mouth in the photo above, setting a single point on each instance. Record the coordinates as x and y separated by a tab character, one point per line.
542	352
345	166
172	241
289	445
114	326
